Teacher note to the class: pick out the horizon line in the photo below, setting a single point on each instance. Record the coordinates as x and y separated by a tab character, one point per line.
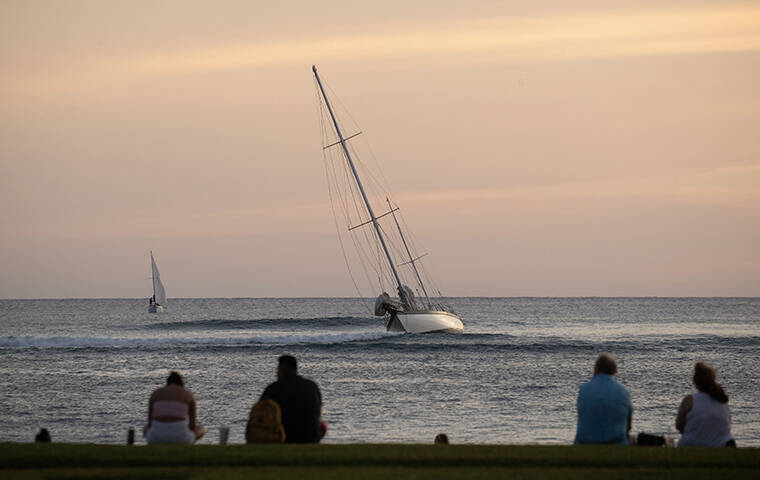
445	297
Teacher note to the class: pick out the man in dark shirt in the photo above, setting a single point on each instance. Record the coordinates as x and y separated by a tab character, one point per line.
300	402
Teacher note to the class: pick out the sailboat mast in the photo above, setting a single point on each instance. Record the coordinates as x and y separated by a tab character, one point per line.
411	259
359	183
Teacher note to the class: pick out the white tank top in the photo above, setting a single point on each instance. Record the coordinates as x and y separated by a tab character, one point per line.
708	423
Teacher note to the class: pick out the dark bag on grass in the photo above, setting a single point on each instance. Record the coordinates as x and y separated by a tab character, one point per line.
265	423
645	439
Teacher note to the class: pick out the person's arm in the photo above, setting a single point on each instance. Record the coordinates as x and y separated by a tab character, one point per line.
630	415
150	415
319	401
248	429
685	408
578	417
268	392
191	408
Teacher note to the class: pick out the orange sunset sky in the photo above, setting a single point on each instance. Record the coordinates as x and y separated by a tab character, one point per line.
574	148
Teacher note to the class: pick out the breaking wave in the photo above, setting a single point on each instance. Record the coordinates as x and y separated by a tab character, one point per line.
248	324
64	342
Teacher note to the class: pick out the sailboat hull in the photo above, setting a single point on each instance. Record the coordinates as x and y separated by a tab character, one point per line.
429	321
155	309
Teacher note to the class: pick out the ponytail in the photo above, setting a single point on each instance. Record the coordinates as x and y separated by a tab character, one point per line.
704	380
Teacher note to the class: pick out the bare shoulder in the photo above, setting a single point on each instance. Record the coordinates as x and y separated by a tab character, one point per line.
173	392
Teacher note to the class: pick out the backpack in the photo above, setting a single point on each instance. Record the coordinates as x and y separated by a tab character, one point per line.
265	423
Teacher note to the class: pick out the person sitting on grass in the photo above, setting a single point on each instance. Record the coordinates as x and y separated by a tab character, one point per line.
43	436
703	417
300	402
604	406
171	414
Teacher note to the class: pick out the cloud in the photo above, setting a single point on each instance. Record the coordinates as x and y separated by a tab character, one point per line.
731	28
738	186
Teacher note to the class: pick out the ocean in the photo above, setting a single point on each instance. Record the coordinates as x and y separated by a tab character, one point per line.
84	369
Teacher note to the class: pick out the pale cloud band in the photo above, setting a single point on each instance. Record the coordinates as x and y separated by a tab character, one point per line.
731	28
736	186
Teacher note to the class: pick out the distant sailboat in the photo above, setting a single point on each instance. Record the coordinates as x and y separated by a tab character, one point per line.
158	300
408	314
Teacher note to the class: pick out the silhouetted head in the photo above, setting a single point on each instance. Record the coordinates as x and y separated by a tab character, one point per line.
605	364
704	380
43	436
441	438
287	365
175	378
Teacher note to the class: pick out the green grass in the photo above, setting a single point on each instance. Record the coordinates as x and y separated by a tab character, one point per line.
356	462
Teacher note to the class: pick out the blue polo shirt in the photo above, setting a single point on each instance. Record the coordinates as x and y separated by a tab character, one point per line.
604	409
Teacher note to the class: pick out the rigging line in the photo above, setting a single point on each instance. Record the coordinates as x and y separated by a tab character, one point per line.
411	241
378	167
374	257
330	167
384	279
368	175
338	142
359	246
394	243
378	189
383	186
367	172
359	209
340	239
342	247
370	257
361	242
432	281
378	217
344	110
396	251
346	193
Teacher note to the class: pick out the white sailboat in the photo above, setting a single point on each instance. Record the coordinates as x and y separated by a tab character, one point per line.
158	300
407	314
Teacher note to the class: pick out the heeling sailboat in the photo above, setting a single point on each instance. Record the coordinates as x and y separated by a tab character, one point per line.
158	300
408	314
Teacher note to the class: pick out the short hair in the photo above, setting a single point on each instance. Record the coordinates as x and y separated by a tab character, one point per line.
288	362
175	378
605	364
441	438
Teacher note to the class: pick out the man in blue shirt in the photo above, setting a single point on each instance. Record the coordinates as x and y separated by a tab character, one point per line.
604	406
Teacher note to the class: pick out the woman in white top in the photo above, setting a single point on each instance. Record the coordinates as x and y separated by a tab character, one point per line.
172	414
703	417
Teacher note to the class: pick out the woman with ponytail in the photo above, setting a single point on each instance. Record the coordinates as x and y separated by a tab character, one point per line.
703	417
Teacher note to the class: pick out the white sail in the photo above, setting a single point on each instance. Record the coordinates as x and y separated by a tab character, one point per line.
158	287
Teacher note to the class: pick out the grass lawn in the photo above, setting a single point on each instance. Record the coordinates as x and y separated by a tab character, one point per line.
355	462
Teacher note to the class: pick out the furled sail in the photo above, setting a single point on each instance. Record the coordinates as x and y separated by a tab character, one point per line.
158	287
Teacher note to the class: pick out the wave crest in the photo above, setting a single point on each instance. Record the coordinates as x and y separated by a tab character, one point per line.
115	342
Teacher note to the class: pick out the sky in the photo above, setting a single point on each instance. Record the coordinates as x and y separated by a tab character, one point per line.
536	148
